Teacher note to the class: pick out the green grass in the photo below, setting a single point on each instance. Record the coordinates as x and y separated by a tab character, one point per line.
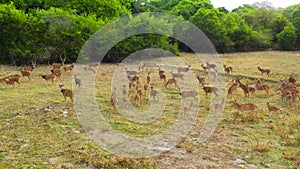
36	131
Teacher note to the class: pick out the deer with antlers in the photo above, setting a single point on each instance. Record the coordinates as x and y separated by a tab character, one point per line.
29	68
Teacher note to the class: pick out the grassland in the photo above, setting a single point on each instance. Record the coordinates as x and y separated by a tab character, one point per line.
38	129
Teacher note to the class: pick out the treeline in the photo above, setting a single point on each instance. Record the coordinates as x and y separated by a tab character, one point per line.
46	30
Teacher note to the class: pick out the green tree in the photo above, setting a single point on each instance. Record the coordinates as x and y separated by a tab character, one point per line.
209	21
287	37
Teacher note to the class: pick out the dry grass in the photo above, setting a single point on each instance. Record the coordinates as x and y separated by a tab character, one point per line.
38	129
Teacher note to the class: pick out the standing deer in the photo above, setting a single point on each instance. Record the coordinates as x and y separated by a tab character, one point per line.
243	87
227	69
260	86
208	89
232	89
153	93
171	81
66	92
267	71
77	81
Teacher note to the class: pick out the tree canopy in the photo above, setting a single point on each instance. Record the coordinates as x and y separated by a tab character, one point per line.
45	30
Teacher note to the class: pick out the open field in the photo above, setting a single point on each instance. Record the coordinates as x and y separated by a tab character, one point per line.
38	129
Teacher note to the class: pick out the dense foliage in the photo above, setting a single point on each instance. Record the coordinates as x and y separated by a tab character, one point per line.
45	30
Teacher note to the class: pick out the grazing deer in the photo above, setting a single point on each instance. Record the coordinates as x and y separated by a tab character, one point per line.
149	78
272	108
184	70
172	81
232	89
153	93
48	77
201	80
66	92
26	73
77	81
188	93
260	86
227	69
188	108
245	107
267	71
177	75
219	106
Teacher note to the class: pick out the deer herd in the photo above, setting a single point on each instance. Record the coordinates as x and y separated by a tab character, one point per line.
288	88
